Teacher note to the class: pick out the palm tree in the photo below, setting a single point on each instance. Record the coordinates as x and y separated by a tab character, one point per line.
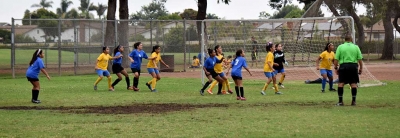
72	13
63	9
100	9
43	4
85	7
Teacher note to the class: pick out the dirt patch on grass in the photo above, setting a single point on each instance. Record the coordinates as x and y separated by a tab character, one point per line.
121	109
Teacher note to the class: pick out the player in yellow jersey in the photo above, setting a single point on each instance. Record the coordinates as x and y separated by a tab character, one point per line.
195	63
153	69
219	70
101	67
269	70
325	67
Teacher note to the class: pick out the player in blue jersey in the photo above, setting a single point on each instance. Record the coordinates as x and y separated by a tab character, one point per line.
32	74
118	69
136	57
237	64
208	68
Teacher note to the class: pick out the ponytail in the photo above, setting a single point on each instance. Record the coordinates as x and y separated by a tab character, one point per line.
154	48
116	49
36	54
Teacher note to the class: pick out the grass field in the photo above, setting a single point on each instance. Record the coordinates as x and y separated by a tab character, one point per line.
71	108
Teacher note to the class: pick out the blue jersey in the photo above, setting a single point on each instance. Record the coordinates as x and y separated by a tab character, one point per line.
210	63
137	58
34	70
118	60
237	65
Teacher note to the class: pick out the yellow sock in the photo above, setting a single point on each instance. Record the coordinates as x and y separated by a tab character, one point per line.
109	82
276	88
282	78
213	84
265	86
153	83
98	80
227	84
223	86
150	81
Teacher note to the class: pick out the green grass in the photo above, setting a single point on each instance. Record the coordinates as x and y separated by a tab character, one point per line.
301	112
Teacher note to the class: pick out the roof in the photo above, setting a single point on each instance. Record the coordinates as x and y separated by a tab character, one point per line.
269	25
379	26
325	35
322	26
4	24
20	29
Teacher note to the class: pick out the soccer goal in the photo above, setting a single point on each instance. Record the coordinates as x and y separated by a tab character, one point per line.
303	39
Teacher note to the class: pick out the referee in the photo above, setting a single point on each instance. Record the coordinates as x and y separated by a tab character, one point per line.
347	56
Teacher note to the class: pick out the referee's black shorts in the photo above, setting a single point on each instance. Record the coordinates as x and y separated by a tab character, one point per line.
348	73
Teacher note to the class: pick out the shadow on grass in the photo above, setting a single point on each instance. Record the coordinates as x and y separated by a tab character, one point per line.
121	109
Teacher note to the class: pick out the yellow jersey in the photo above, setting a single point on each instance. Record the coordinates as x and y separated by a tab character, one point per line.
102	61
218	66
326	60
269	58
150	63
196	62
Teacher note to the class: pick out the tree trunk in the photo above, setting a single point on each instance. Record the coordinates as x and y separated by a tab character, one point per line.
332	8
397	15
109	38
387	52
123	29
357	22
201	15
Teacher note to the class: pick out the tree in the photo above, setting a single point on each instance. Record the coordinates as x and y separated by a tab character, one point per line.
100	9
72	14
212	16
173	16
174	36
188	14
43	4
112	7
63	8
85	7
152	11
387	52
123	28
264	15
50	27
317	14
396	15
281	13
6	35
295	13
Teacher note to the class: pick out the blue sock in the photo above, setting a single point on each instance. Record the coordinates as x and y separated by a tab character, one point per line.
323	83
330	85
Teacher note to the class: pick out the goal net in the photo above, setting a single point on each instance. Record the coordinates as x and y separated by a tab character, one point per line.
303	40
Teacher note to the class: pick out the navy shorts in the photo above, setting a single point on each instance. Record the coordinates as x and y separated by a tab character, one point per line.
32	79
236	78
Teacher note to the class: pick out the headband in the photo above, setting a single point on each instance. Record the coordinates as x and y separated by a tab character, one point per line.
37	54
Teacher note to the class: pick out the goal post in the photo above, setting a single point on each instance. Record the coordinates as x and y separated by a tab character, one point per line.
303	39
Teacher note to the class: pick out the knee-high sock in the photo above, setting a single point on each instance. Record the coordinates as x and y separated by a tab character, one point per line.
323	83
265	87
128	82
340	94
354	94
98	80
219	87
241	91
276	88
35	94
109	82
213	85
135	82
205	86
330	84
115	82
227	84
153	83
282	78
237	91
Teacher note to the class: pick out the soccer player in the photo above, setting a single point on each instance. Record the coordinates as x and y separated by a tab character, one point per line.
279	60
153	69
208	68
347	56
32	74
219	70
118	69
269	70
254	52
238	63
136	57
101	67
325	68
195	63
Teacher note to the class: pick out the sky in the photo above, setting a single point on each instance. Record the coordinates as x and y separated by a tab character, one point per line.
237	9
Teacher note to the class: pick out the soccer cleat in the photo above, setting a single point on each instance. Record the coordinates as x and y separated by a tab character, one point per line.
353	103
135	89
129	88
209	91
35	101
332	90
223	92
238	98
340	104
281	85
243	98
154	90
148	86
230	91
262	93
323	91
111	89
278	93
220	93
202	92
95	87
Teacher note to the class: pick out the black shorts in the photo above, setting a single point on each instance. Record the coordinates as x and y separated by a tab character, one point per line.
134	70
32	79
236	78
117	68
348	73
212	73
254	55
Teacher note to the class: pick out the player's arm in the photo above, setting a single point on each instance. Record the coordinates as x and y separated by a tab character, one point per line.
205	70
360	63
115	57
162	61
317	62
245	67
154	63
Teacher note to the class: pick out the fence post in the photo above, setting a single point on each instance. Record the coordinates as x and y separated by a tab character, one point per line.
59	47
151	33
75	50
116	33
12	47
184	45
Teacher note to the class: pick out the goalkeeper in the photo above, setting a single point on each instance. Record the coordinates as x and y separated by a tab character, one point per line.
279	60
254	51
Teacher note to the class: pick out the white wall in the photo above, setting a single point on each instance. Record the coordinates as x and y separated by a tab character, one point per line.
36	34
